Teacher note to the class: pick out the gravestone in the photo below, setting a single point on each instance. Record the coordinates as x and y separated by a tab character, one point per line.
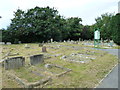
26	46
8	43
19	42
2	42
51	40
36	59
44	49
48	66
14	62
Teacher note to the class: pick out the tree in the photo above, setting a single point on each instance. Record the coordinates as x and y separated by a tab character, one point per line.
103	23
36	25
87	33
74	28
115	28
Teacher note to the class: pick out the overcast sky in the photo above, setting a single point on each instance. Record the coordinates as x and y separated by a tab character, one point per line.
88	10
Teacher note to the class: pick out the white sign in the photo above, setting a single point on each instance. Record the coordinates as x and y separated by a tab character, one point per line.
97	34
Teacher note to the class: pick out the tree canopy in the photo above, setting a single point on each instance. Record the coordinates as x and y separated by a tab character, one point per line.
43	23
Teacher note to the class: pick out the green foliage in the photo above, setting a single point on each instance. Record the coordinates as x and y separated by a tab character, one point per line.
103	23
41	24
115	28
87	33
109	25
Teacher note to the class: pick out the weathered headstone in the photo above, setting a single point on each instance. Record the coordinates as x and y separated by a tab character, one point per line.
14	62
36	59
44	49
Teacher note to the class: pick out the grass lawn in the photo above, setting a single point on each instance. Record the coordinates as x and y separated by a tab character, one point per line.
82	75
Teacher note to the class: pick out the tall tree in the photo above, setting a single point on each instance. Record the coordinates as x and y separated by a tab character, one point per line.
74	28
103	23
115	28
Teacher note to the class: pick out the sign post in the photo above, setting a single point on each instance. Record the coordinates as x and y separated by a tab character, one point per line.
96	37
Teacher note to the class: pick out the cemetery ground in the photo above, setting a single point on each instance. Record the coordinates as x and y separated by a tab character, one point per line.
65	65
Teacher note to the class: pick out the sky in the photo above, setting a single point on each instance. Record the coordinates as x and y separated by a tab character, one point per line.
88	10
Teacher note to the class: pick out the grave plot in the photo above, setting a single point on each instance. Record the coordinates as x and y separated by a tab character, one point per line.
79	58
27	78
33	76
15	62
50	70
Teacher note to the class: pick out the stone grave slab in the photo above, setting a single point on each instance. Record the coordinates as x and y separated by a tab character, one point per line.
36	59
14	62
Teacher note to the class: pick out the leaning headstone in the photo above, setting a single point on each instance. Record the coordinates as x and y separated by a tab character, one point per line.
36	59
44	49
14	62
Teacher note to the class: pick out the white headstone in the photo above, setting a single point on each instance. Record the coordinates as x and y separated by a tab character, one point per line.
8	43
51	40
2	42
26	46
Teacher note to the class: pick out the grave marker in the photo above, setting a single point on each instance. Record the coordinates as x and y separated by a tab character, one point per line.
26	46
14	62
36	59
8	43
44	49
2	43
51	40
19	42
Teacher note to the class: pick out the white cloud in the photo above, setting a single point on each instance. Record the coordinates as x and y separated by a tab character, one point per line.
88	10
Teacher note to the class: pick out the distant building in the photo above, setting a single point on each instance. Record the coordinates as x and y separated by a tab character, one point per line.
119	7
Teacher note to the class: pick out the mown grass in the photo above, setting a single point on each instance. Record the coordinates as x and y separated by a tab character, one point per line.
81	76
